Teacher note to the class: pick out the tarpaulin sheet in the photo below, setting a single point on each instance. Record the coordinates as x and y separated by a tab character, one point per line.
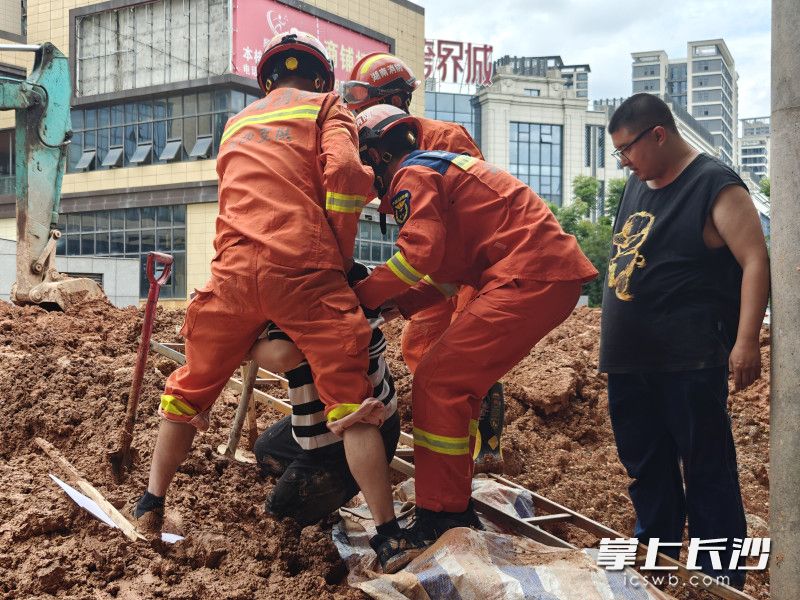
482	565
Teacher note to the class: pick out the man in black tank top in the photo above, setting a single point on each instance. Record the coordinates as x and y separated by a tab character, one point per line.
683	303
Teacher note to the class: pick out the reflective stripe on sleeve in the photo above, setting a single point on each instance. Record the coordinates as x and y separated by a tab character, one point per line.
445	289
403	270
344	203
464	162
342	410
176	406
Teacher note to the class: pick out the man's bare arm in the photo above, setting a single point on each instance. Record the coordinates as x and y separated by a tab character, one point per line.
735	219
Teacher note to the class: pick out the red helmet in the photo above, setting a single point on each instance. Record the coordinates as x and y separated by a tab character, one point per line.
376	121
375	78
302	43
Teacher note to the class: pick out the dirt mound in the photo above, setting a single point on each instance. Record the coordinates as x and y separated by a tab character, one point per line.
65	377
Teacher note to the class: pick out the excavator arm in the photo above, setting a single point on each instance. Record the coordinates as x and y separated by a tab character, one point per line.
43	132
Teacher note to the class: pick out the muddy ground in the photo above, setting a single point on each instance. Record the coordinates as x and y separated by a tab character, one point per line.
65	377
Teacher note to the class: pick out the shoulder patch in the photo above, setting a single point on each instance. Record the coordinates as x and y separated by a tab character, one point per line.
401	204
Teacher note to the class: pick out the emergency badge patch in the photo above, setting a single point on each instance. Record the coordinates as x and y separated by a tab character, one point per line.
401	204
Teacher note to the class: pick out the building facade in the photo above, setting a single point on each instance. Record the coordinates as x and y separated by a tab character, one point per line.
154	84
754	148
575	76
538	128
704	84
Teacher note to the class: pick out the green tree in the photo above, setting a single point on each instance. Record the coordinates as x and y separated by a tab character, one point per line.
614	195
593	238
584	189
763	186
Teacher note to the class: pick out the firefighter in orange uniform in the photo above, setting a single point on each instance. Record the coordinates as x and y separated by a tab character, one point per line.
381	78
291	188
463	222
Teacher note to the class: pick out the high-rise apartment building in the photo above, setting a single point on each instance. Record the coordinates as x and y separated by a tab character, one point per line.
754	148
704	83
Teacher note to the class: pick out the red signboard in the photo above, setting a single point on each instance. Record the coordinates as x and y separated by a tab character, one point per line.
255	22
458	62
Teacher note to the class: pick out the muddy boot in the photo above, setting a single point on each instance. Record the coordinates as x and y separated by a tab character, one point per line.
488	453
147	515
429	525
397	550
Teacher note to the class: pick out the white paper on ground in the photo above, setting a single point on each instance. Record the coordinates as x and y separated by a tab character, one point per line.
87	503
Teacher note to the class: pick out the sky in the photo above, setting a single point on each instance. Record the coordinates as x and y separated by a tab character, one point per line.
603	34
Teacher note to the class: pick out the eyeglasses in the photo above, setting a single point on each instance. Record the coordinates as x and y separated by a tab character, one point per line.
619	154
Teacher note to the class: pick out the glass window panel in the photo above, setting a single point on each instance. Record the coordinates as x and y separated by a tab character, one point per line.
175	129
545	171
430	103
117	242
159	108
179	215
189	133
73	245
219	126
118	114
88	222
461	103
75	150
513	153
101	243
90	118
375	252
535	155
363	230
204	125
164	216
523	169
90	139
118	219
222	100
145	110
237	101
203	103
132	219
524	136
116	136
73	223
103	138
131	114
163	240
148	216
444	102
77	119
103	116
159	137
131	242
145	132
250	98
148	240
144	285
386	252
129	142
61	246
524	154
62	223
102	220
87	243
190	104
536	182
514	132
174	106
179	239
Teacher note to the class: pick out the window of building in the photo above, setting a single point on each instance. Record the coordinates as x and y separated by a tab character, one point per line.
456	108
373	248
179	127
533	92
706	50
151	43
7	164
130	233
535	157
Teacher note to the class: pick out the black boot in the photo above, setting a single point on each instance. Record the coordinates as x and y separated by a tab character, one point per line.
397	550
429	525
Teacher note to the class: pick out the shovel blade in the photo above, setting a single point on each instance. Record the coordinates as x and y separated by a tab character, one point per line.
122	462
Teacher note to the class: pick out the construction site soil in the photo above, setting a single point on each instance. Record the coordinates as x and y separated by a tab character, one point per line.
65	377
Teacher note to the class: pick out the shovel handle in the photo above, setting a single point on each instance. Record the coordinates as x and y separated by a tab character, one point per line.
163	259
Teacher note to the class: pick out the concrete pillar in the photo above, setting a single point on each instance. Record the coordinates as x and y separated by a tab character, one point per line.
785	252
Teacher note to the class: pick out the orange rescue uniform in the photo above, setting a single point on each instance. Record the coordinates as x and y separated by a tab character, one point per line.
465	222
291	188
426	326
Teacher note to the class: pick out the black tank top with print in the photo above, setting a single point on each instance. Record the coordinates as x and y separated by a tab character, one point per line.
669	302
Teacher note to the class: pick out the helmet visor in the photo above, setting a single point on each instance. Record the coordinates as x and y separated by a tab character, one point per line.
354	92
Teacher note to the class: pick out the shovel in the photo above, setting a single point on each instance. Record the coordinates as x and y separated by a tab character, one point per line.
122	459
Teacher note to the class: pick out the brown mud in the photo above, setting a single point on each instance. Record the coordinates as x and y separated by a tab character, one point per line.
65	377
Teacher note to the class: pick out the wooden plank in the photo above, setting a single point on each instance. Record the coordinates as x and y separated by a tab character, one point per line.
87	488
546	518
